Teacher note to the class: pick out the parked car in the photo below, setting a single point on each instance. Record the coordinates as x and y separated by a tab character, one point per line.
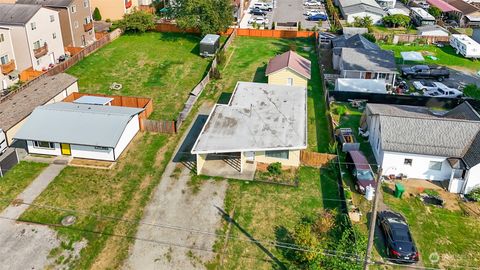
358	166
424	5
425	85
317	17
427	72
258	12
446	93
400	247
263	6
311	12
312	3
258	20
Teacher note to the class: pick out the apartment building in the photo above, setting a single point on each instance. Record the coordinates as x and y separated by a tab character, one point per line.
8	75
114	9
35	34
75	20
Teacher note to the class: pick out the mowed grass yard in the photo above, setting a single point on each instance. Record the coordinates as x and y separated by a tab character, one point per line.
446	56
94	195
162	66
264	211
17	179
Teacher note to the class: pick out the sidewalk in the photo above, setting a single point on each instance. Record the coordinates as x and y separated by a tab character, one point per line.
32	191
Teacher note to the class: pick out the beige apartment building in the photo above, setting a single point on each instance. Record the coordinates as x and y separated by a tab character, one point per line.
114	9
75	20
8	75
35	33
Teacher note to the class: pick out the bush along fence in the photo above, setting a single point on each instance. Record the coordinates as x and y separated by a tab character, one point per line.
61	67
198	89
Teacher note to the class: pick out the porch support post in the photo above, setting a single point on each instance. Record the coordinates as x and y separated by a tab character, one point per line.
242	161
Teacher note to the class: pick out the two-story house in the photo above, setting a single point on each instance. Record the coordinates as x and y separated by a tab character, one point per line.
114	9
75	20
8	74
36	35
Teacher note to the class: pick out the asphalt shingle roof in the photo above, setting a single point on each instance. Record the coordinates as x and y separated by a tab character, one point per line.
355	41
291	60
46	3
368	60
17	14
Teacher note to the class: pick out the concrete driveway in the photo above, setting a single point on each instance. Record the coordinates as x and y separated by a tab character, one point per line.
177	211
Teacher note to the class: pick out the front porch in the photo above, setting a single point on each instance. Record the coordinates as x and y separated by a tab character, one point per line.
227	165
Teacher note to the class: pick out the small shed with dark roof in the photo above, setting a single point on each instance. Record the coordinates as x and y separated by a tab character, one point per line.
289	68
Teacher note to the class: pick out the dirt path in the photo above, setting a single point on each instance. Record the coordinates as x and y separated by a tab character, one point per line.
176	204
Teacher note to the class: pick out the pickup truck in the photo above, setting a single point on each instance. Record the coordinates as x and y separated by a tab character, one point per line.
427	72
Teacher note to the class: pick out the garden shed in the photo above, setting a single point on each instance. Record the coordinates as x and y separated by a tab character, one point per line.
209	45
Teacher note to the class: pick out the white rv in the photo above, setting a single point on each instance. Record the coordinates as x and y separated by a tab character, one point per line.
465	46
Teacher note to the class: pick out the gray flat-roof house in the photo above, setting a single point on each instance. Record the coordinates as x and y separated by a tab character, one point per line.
262	123
80	130
356	63
422	144
347	41
361	8
16	108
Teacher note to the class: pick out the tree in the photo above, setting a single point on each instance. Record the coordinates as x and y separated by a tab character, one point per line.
208	16
137	22
396	20
96	15
365	22
435	12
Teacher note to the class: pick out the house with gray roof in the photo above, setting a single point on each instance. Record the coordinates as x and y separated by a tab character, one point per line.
80	130
35	34
419	143
359	63
261	124
350	41
361	8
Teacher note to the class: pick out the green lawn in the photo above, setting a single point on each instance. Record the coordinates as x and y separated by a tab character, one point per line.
17	179
270	212
163	66
388	30
247	59
446	56
450	234
120	192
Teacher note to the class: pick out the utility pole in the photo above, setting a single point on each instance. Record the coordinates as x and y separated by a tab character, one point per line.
373	220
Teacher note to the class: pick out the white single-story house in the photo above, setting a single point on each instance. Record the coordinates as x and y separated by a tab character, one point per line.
262	123
433	30
361	85
289	68
361	8
422	144
80	130
17	107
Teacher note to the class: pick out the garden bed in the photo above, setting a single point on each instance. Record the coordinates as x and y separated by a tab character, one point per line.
283	176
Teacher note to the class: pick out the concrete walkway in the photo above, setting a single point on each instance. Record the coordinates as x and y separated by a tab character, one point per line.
32	191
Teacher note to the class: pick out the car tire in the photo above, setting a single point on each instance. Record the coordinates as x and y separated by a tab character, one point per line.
357	188
424	89
440	79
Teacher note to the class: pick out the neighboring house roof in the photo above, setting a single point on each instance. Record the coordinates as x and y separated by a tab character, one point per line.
82	124
350	31
259	117
361	85
47	3
290	60
464	7
358	6
442	5
355	41
428	28
18	106
17	14
368	60
417	130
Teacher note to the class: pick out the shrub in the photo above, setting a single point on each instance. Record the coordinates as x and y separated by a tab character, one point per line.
396	20
275	168
332	147
215	74
292	46
137	22
435	12
472	90
432	192
340	110
474	194
96	15
370	37
221	58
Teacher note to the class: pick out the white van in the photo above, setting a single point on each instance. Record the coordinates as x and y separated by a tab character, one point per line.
263	6
3	142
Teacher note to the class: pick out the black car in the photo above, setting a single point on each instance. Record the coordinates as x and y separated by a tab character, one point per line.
258	12
399	243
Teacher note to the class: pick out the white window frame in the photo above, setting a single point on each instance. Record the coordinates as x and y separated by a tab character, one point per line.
408	162
432	165
290	81
75	24
36	144
54	35
85	3
4	57
33	25
274	154
2	38
52	18
73	9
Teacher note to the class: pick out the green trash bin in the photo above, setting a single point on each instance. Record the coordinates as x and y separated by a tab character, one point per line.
399	190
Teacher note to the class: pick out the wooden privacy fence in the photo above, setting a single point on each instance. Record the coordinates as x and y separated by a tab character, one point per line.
406	38
160	126
314	159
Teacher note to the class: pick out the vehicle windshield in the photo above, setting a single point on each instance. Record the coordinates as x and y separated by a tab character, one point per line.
364	175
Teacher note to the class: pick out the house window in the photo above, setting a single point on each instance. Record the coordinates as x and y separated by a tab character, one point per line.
75	24
290	81
282	154
46	145
382	76
2	38
33	25
408	162
54	35
101	148
435	165
4	59
52	18
87	20
73	9
85	3
36	44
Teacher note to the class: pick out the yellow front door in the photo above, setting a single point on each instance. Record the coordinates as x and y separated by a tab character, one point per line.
66	149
